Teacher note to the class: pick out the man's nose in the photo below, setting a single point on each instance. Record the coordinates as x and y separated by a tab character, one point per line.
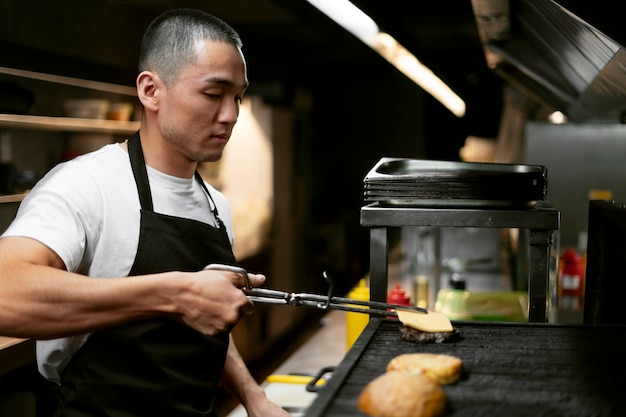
229	112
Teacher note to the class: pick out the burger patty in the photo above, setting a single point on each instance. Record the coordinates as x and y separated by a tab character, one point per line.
411	334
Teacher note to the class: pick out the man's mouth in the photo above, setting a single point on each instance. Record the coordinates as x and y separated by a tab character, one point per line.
221	137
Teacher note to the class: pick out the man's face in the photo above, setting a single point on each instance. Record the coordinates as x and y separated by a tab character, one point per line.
200	108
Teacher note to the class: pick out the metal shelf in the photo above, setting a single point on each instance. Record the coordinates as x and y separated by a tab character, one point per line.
542	222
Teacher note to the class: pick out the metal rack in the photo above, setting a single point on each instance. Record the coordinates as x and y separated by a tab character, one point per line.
542	221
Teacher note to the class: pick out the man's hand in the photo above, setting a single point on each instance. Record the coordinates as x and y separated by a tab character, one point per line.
213	301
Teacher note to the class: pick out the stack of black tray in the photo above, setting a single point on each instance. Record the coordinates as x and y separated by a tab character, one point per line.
427	183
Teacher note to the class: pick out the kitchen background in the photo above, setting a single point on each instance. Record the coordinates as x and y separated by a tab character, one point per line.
323	108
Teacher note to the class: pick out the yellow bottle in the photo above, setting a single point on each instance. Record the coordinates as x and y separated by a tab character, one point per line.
356	322
421	291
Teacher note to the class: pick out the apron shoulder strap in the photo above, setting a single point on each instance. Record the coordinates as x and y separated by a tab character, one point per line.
206	190
140	172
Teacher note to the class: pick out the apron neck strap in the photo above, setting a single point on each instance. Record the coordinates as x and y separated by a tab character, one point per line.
140	172
206	190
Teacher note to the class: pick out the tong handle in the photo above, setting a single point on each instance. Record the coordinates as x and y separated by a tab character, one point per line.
262	295
235	269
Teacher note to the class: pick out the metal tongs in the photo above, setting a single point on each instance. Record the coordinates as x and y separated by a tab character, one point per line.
321	302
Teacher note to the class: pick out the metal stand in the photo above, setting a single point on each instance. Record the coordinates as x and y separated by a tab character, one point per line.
542	222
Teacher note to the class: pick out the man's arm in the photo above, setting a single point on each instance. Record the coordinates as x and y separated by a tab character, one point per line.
40	299
238	381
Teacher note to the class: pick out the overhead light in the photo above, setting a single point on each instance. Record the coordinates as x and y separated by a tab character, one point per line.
348	16
351	18
557	118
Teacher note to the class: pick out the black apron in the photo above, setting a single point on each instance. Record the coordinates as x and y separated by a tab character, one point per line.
157	367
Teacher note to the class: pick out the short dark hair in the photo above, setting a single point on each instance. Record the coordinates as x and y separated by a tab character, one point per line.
169	42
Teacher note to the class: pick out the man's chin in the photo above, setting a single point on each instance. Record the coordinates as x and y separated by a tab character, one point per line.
214	157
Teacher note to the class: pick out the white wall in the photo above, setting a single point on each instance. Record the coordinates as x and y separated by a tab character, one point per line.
579	158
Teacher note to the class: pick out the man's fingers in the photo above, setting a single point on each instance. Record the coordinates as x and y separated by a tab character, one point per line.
247	308
256	279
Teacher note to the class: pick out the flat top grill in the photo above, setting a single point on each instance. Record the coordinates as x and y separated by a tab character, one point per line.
510	370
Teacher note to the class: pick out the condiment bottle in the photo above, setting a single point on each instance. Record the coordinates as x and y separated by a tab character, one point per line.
356	322
571	281
398	296
421	291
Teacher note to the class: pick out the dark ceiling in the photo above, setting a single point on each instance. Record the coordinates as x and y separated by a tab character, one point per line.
291	40
286	41
287	38
297	42
289	44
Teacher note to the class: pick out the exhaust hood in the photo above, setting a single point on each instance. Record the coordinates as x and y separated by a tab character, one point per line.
554	56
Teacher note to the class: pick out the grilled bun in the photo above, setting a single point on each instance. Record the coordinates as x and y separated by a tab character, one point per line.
443	369
402	394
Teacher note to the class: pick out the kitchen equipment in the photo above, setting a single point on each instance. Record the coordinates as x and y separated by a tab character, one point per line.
427	183
542	222
410	192
546	50
512	369
605	284
322	302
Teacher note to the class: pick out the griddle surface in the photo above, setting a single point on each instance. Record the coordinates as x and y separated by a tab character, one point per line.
509	370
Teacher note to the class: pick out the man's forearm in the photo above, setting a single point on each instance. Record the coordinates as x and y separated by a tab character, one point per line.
41	300
237	380
44	302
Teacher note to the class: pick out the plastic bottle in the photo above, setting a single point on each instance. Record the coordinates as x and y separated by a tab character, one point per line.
398	296
421	291
356	322
571	281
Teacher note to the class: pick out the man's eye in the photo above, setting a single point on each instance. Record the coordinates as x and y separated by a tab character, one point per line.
213	96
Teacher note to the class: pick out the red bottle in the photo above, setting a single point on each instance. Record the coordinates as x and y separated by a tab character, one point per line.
571	281
398	296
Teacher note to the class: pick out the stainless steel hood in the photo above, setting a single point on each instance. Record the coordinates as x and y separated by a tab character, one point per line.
554	56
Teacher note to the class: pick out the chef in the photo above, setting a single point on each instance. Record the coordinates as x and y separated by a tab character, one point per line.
104	261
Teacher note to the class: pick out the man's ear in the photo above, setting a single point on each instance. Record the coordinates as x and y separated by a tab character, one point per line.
148	89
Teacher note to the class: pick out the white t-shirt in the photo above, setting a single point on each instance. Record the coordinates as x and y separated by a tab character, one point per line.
87	211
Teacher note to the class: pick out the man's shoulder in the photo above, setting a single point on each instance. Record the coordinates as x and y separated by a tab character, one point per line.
108	160
93	170
111	155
